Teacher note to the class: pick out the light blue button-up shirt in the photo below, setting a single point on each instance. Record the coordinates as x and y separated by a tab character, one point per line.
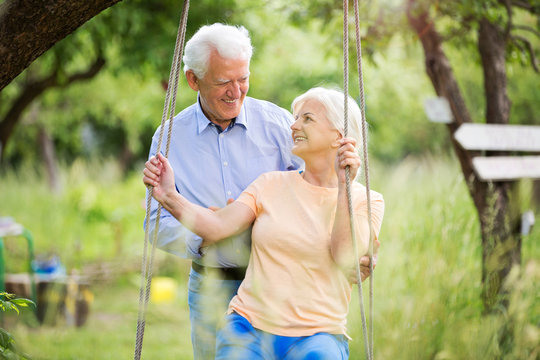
212	166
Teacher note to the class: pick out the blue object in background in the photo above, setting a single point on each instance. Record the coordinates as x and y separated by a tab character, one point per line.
49	268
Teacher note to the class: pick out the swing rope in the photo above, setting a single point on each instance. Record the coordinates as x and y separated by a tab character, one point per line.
366	170
368	338
168	113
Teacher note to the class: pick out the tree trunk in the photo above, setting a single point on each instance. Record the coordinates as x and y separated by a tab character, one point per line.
28	28
493	201
497	204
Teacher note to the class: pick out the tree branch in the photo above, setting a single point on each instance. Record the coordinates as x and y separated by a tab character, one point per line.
528	49
508	5
33	89
459	32
527	28
522	4
28	28
87	74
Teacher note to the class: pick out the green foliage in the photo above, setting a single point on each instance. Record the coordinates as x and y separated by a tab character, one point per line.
11	302
148	31
8	350
458	23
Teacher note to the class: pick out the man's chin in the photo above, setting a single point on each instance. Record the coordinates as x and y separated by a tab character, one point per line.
231	114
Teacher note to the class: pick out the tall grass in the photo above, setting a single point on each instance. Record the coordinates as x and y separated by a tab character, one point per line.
96	217
427	281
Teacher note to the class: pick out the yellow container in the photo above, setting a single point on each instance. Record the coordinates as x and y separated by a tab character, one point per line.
163	289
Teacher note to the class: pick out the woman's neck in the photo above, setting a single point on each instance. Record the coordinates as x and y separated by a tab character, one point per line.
320	171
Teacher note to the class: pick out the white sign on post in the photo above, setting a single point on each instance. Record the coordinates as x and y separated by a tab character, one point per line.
494	137
438	110
505	168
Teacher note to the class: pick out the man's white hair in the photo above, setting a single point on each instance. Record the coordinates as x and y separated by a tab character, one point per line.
332	101
231	42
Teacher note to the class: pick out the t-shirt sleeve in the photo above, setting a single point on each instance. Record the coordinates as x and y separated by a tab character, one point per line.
252	195
377	210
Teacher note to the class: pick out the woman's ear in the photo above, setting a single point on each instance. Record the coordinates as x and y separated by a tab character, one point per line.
339	136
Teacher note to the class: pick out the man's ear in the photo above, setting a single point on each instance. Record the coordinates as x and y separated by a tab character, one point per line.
192	80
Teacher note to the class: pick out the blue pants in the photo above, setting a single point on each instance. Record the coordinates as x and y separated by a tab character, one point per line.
208	300
239	340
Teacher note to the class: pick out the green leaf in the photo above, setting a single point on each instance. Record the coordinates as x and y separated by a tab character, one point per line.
10	302
22	302
6	296
5	339
14	307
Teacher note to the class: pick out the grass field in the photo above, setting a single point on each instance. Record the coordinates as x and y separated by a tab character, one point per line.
427	282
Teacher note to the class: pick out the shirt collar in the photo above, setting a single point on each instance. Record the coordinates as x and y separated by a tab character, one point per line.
203	122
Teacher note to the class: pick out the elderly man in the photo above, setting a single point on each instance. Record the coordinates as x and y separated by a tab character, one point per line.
219	145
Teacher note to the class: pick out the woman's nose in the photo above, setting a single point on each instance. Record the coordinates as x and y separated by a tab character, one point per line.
295	125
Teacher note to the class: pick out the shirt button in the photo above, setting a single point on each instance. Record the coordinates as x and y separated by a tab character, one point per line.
221	135
225	163
229	193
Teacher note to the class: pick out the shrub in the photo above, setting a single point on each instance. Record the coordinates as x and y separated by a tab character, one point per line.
8	350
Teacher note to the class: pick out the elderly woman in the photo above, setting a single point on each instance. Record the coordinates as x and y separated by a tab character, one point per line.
293	302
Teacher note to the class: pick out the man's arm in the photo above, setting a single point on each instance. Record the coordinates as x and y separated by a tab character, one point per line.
172	236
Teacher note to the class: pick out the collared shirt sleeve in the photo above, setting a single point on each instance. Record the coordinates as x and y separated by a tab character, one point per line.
172	236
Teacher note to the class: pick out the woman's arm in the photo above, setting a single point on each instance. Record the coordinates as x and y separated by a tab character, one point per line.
212	226
341	246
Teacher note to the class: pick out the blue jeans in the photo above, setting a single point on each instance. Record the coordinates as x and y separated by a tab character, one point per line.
208	300
239	340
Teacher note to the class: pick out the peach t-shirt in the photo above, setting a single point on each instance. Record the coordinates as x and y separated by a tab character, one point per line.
292	286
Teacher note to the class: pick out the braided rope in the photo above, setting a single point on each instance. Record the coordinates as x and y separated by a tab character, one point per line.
347	172
366	168
168	112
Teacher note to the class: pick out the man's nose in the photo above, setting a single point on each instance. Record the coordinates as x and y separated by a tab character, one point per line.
234	91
